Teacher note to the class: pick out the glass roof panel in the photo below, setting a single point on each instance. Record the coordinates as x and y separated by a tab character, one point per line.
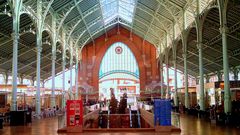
117	8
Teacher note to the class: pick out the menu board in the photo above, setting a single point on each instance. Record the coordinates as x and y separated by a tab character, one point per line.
74	112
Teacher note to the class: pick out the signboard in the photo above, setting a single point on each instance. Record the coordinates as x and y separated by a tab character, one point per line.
233	84
74	113
129	89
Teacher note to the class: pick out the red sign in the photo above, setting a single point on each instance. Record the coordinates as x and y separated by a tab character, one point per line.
74	112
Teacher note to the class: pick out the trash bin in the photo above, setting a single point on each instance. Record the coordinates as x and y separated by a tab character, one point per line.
17	118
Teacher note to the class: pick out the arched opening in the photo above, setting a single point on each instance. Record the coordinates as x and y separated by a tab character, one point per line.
119	70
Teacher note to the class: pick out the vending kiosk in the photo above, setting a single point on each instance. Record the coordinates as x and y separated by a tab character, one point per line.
74	115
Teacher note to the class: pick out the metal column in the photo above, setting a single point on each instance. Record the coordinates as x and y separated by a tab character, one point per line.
71	67
175	76
167	71
201	74
63	69
53	100
162	79
39	50
186	81
201	79
185	72
227	94
17	4
224	30
76	74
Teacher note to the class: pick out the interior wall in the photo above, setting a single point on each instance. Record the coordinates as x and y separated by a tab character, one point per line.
92	55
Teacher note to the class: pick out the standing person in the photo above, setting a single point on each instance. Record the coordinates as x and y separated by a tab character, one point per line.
54	111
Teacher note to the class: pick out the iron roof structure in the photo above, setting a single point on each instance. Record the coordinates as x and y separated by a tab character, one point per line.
159	22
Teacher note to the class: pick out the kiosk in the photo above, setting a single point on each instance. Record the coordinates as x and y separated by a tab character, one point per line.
74	116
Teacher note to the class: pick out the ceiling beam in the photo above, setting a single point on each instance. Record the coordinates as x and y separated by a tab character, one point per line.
196	65
84	21
134	13
42	67
210	61
106	35
150	25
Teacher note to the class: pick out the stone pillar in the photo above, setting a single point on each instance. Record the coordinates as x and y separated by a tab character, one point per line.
17	5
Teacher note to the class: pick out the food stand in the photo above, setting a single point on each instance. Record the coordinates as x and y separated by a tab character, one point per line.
192	95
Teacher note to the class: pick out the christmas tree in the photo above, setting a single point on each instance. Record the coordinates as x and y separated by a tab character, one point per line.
113	102
123	104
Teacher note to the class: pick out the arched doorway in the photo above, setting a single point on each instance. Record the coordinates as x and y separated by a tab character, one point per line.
119	70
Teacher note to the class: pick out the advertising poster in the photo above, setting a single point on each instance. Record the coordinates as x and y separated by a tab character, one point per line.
74	112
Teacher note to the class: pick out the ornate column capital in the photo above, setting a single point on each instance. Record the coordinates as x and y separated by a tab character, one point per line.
54	57
199	45
184	55
39	49
223	29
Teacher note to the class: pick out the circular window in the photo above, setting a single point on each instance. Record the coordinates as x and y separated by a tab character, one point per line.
118	50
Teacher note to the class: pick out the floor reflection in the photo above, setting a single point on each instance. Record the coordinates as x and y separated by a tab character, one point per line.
190	126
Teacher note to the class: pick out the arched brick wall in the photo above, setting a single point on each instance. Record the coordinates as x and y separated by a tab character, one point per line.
131	45
92	55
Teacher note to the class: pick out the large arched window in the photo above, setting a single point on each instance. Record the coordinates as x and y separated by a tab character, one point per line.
119	70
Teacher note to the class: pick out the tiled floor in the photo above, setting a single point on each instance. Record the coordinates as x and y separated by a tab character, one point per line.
189	125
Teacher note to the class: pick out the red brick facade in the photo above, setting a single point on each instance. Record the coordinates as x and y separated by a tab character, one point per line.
92	55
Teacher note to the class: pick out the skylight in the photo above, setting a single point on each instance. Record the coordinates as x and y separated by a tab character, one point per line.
112	9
